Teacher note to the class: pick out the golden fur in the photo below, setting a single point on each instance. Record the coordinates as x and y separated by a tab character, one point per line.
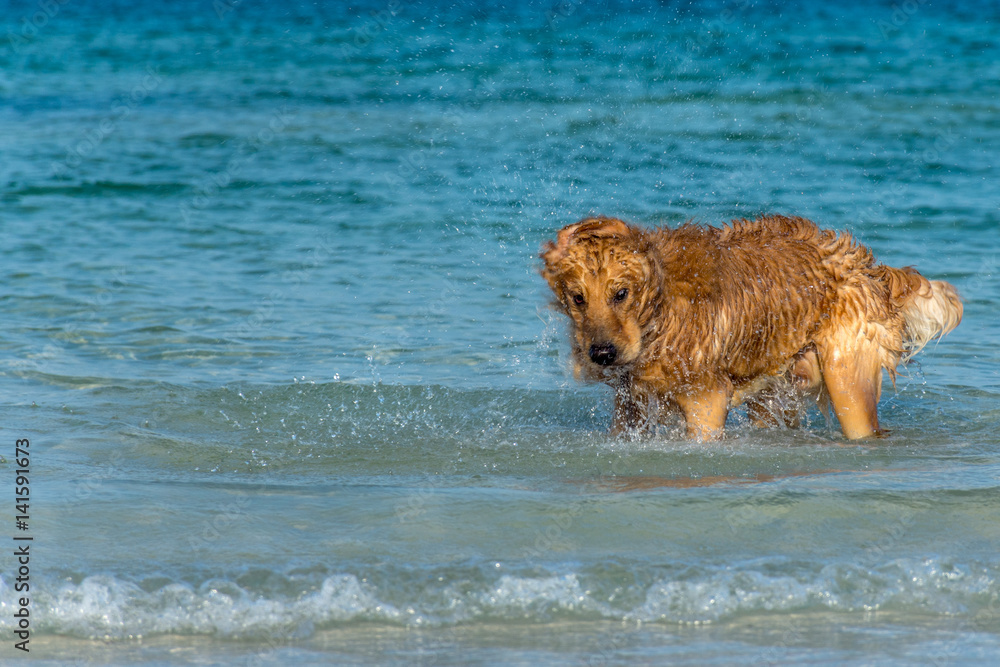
764	312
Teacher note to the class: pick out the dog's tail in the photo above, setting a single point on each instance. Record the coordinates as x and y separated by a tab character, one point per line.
930	309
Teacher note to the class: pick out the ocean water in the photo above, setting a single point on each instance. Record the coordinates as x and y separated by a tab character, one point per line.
273	327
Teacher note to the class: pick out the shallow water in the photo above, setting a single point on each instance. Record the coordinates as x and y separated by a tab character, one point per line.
274	329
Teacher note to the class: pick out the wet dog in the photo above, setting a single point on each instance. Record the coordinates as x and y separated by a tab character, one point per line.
761	312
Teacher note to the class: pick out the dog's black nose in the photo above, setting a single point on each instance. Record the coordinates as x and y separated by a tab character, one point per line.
604	354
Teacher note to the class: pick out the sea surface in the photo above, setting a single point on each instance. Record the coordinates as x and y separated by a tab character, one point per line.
273	326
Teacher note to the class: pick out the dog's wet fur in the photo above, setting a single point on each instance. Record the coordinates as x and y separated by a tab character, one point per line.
767	313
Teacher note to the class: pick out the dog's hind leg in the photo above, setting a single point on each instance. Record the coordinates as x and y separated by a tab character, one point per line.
775	407
853	377
780	400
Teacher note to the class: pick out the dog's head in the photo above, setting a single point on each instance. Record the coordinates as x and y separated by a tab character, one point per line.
602	277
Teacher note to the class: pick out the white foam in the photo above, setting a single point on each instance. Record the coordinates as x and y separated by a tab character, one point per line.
533	597
721	595
929	585
102	606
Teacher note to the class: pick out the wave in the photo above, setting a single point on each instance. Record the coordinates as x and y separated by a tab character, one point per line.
103	606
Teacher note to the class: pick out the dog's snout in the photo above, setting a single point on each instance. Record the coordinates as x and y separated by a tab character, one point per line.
604	354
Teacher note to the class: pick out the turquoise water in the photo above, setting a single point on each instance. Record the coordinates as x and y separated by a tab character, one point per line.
274	329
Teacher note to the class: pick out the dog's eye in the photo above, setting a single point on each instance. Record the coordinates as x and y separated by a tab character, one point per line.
578	299
620	295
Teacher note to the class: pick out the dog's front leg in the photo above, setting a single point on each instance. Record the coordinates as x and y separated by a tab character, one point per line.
705	412
628	413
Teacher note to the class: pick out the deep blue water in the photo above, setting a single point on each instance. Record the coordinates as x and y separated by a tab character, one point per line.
274	329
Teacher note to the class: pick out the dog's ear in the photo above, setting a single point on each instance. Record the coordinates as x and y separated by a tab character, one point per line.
553	253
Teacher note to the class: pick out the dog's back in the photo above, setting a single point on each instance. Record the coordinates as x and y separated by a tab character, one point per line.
804	273
790	267
756	291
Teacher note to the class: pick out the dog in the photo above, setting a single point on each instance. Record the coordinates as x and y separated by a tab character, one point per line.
766	312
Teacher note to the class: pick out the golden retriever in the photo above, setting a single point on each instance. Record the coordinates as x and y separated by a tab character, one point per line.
764	312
